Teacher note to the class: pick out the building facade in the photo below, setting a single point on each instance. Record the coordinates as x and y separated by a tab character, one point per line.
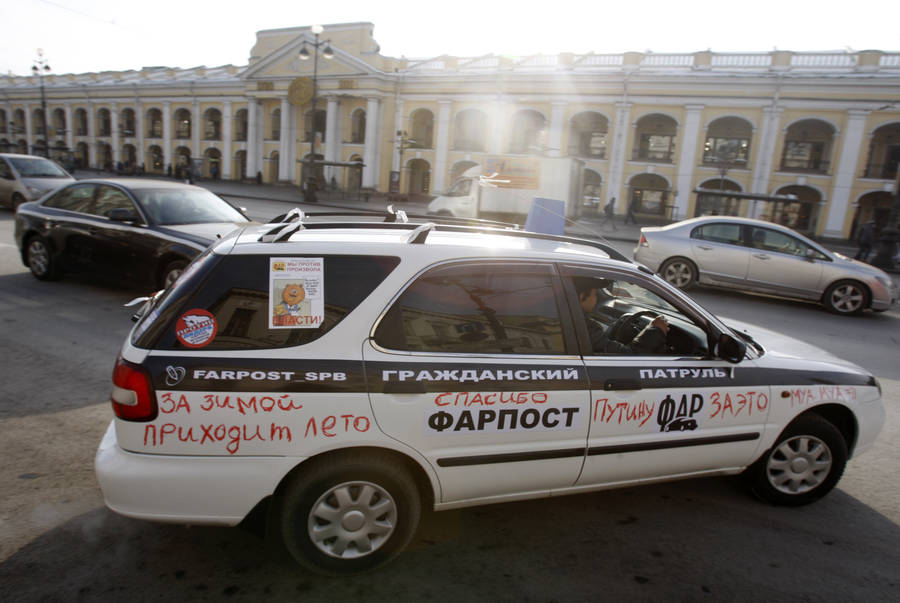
810	140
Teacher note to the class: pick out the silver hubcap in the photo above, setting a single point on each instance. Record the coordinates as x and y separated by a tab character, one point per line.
678	274
799	464
38	257
352	520
847	298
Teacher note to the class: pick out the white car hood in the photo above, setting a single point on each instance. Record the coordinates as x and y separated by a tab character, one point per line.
779	347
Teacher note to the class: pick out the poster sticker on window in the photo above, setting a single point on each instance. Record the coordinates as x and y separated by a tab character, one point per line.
196	328
296	293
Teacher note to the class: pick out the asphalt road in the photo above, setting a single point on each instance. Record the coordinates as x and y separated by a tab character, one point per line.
690	540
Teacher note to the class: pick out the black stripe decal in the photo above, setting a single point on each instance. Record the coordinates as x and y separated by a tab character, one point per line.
665	444
512	457
541	455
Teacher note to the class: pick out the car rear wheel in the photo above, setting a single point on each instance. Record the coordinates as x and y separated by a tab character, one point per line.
347	515
680	272
846	297
804	464
40	260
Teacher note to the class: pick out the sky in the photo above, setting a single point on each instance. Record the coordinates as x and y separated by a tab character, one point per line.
79	36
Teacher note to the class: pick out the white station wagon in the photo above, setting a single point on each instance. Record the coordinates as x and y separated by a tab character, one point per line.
341	376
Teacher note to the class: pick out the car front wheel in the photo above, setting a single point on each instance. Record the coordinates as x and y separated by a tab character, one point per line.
846	297
804	464
679	272
40	260
348	515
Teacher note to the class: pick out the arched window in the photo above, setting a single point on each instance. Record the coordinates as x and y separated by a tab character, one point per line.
240	125
470	130
358	126
807	147
275	122
155	160
421	123
182	123
154	123
58	122
212	124
728	142
884	153
528	133
310	125
650	194
419	177
81	123
104	123
655	139
587	136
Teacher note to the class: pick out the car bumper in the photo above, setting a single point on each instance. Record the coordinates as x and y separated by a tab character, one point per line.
883	298
184	489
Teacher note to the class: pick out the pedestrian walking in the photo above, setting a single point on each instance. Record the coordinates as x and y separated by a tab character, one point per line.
609	213
632	205
309	193
865	239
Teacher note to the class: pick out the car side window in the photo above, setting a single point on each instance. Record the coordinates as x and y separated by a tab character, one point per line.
5	172
773	240
109	198
623	317
718	233
78	197
481	308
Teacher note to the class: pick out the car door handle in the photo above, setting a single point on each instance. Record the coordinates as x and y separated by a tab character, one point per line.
704	247
761	256
621	384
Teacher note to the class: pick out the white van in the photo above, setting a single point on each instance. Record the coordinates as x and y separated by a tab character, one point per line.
28	177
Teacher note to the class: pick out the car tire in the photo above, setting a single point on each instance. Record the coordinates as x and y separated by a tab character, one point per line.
39	257
805	463
679	272
846	297
348	514
171	273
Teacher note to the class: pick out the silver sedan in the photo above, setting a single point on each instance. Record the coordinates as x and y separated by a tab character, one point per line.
753	255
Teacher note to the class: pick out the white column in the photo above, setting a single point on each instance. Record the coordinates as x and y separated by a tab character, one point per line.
92	135
554	139
617	152
495	142
196	124
284	141
114	118
443	143
687	160
139	134
226	135
70	135
252	134
332	136
167	136
846	172
398	125
29	134
373	115
762	169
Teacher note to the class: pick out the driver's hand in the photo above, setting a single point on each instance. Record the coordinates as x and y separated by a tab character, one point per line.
661	323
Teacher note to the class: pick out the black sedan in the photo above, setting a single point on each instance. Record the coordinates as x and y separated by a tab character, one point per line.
137	229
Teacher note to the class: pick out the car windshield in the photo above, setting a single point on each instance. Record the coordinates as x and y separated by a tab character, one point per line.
171	206
36	167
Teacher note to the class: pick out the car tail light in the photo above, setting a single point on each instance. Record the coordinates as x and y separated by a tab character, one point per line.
643	242
132	393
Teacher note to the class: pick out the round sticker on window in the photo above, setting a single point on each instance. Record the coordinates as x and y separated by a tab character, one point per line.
196	328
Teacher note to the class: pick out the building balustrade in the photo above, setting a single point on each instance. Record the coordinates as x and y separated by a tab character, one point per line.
883	171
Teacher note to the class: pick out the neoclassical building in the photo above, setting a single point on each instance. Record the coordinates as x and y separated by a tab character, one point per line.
811	139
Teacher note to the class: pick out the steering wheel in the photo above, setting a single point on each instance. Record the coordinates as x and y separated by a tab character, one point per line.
625	324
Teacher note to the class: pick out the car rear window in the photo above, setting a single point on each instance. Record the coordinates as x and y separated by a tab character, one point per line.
236	294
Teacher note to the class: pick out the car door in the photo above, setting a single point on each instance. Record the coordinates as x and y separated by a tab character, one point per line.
125	249
68	222
783	264
475	366
7	183
720	253
670	411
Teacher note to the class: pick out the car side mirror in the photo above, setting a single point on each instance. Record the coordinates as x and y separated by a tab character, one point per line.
730	349
121	214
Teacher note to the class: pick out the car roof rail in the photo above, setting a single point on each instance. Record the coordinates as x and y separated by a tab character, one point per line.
421	225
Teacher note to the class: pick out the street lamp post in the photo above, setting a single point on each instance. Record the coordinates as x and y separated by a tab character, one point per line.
304	56
40	66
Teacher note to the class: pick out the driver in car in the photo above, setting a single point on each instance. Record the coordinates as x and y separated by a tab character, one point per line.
651	339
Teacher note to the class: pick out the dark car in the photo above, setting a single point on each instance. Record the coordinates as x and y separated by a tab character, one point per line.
138	229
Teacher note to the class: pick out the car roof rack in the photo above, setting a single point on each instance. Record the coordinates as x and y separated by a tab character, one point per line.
421	225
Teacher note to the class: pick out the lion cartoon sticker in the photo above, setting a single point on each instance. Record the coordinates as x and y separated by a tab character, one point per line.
296	293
